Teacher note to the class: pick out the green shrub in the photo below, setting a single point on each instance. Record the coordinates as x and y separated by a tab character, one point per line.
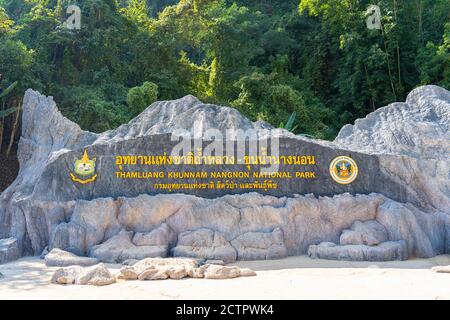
139	98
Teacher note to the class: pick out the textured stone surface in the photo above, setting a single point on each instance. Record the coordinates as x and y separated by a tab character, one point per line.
402	151
153	274
218	262
367	233
418	127
419	234
91	223
119	248
127	273
378	172
61	258
441	269
158	269
220	272
386	251
129	262
371	177
212	271
98	219
97	275
447	234
424	233
9	250
69	237
204	244
246	272
155	263
44	253
161	236
260	245
179	268
253	226
417	133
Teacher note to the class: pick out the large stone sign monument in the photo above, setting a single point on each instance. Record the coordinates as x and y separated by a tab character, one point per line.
189	179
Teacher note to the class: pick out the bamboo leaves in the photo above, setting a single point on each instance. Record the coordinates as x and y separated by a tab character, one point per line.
8	90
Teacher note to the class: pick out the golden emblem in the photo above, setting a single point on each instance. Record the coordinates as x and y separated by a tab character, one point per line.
343	170
84	170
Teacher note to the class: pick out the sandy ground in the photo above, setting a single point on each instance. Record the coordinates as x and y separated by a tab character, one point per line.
291	278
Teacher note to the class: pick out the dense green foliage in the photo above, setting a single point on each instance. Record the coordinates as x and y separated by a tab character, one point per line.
270	59
139	98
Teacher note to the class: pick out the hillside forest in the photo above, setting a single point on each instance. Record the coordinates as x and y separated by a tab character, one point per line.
310	66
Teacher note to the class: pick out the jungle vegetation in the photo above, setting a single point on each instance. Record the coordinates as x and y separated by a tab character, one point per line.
311	65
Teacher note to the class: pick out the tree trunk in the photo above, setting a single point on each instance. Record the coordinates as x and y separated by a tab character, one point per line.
14	129
372	94
398	52
388	63
399	71
420	13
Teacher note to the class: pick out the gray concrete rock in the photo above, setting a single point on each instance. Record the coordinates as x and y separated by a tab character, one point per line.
161	236
423	232
260	245
61	258
91	223
66	275
212	271
153	274
381	172
98	218
218	262
119	248
367	233
44	253
441	269
179	268
246	272
127	273
197	273
164	264
177	272
402	149
129	262
220	272
45	135
97	275
418	128
386	251
69	237
246	220
9	250
413	141
204	244
160	269
447	235
145	213
235	215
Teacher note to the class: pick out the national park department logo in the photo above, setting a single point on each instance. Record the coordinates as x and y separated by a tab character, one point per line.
84	170
343	170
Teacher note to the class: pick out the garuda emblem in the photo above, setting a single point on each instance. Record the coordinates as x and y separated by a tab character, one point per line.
84	170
